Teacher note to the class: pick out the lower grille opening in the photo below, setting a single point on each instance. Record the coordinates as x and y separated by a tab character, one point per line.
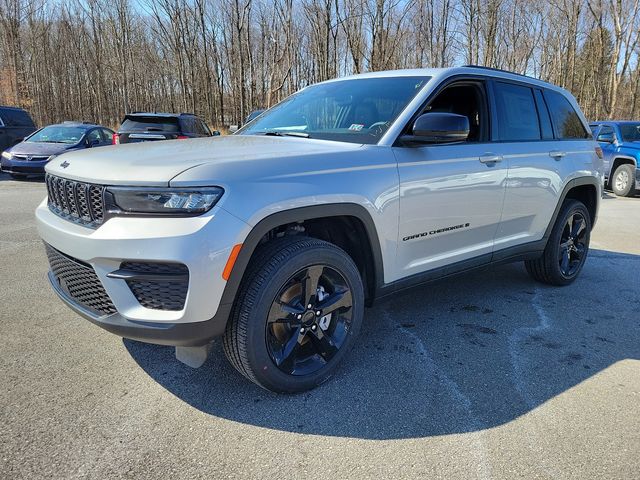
158	293
79	282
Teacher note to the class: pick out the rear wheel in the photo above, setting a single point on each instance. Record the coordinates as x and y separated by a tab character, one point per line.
567	248
623	181
297	314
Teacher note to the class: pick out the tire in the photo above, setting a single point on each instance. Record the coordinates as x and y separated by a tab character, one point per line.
566	249
272	338
623	181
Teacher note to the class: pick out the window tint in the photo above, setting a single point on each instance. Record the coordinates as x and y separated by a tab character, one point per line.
93	136
188	125
202	128
16	118
106	135
565	119
517	114
630	132
543	114
140	123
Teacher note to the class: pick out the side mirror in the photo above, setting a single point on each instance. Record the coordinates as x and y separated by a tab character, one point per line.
439	127
215	133
606	138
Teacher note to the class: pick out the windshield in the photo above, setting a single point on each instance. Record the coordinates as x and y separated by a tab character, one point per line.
58	134
630	132
355	111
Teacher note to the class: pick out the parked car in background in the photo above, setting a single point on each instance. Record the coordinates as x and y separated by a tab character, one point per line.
276	238
620	142
31	155
15	125
150	127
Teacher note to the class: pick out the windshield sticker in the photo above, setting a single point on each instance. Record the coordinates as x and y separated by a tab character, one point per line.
356	127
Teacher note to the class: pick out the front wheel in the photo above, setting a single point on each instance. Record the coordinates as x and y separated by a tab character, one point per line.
298	313
623	181
567	247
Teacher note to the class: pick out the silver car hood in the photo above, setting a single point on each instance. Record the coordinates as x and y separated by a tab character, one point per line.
156	163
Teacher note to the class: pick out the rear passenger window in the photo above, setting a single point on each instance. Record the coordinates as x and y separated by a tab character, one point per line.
517	114
565	119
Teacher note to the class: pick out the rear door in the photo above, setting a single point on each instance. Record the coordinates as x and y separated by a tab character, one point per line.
537	130
141	128
524	137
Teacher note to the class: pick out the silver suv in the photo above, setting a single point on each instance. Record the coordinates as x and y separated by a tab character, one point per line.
276	238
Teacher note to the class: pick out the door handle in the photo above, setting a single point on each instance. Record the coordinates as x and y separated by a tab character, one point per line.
557	154
490	158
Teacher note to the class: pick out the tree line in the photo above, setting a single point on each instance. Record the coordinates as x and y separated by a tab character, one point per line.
97	59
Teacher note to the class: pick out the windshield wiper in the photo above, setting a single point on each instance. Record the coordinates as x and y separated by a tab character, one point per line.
280	133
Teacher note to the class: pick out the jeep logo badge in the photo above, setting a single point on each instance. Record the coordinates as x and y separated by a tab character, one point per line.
64	164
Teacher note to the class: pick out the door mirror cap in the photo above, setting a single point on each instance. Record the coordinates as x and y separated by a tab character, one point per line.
606	138
215	133
439	127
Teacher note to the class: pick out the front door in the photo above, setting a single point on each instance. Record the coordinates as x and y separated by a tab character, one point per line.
451	195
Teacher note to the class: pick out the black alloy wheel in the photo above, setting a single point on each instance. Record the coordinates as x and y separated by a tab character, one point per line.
309	320
567	246
297	314
572	244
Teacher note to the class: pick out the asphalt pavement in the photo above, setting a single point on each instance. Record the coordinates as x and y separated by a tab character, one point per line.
485	375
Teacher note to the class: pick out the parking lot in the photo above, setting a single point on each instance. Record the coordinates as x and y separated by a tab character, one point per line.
486	375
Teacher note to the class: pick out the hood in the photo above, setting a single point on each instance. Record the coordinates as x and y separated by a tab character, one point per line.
41	149
156	163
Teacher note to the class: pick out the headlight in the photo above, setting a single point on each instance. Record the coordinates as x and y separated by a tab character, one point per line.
176	201
7	155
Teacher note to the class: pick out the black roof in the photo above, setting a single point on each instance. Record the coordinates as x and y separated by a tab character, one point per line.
4	107
160	114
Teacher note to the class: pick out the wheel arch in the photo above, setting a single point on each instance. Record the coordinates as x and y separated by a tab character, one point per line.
620	159
583	189
368	256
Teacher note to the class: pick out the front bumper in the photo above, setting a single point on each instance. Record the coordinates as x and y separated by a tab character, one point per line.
201	243
23	167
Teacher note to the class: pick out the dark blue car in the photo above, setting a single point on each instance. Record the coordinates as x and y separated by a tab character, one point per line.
30	156
620	142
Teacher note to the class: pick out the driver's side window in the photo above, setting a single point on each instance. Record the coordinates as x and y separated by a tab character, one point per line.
467	99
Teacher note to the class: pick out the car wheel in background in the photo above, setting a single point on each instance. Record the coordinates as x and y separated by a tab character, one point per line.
622	181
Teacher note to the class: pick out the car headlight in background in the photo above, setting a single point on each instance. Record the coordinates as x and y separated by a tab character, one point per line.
176	201
7	155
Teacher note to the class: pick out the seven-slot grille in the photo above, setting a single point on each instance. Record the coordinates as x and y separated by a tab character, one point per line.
80	282
76	201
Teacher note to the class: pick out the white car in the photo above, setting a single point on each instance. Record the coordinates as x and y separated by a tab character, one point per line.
277	237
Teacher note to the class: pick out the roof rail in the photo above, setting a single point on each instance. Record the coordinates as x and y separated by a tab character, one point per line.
499	70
